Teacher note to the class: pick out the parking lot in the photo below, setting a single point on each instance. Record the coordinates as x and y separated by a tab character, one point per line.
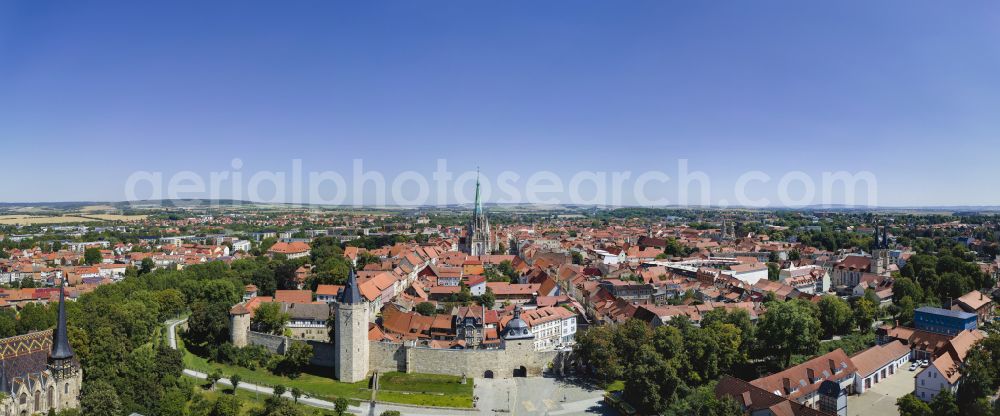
880	399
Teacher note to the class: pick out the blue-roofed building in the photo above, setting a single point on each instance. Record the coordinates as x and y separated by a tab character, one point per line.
944	321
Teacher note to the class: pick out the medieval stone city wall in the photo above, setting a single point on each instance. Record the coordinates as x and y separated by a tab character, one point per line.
499	363
324	353
275	343
385	357
393	357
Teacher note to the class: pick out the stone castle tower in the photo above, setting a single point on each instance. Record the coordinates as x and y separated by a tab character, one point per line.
478	238
351	333
239	326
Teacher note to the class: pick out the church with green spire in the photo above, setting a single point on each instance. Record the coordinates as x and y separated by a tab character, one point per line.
478	239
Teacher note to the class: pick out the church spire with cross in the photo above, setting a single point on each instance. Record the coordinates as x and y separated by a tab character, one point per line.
478	238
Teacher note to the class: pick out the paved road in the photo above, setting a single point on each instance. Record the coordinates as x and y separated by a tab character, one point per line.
538	396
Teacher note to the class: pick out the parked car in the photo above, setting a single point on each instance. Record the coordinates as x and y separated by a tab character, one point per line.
914	366
925	363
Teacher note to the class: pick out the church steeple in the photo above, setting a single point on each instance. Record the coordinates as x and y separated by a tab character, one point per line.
60	340
478	209
350	294
478	239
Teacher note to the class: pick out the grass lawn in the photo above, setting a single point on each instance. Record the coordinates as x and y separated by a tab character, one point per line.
617	385
425	389
318	382
251	401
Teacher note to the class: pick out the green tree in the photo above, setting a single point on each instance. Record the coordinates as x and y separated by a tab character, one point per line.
426	308
488	300
903	287
702	401
235	381
213	378
92	255
390	413
980	375
279	390
710	352
208	323
506	268
296	358
27	283
910	405
296	393
834	316
98	398
8	322
226	405
172	403
146	266
773	271
944	404
340	406
789	328
864	314
739	318
651	382
906	307
597	351
169	364
269	318
277	406
35	317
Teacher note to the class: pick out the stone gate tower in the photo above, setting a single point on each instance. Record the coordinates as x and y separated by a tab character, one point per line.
351	333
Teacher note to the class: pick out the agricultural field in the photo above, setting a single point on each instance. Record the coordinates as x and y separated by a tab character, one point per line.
36	219
65	218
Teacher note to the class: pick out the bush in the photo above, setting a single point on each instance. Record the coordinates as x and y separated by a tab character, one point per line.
251	356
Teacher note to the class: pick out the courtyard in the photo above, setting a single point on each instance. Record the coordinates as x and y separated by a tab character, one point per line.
880	399
539	396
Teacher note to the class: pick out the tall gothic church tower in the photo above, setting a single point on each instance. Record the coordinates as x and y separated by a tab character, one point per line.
478	238
351	333
62	364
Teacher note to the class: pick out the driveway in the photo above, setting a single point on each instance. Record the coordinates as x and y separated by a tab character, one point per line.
881	398
539	396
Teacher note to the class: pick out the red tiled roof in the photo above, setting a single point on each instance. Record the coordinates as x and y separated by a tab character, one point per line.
293	296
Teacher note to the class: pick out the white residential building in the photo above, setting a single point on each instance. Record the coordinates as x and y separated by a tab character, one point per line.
553	327
879	362
941	375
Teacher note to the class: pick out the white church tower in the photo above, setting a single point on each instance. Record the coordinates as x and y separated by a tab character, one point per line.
351	333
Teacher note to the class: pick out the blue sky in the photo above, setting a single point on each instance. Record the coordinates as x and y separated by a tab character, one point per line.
908	90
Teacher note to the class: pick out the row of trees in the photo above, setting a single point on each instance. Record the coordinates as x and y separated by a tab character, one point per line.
663	365
669	369
115	332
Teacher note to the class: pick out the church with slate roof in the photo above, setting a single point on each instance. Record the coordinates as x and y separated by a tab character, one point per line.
38	371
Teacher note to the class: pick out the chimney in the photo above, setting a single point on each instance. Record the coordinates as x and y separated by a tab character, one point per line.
786	384
833	367
811	374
